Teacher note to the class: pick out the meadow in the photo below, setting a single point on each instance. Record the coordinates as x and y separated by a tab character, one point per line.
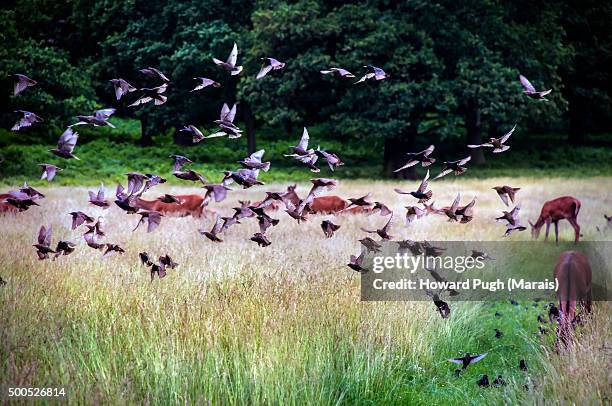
240	324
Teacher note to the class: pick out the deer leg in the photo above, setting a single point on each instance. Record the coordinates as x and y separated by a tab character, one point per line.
574	224
547	230
556	233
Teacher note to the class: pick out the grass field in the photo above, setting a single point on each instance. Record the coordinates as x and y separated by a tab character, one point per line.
239	324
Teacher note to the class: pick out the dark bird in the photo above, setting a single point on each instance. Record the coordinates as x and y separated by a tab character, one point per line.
498	314
454	166
28	118
212	234
442	307
2	282
383	233
97	230
301	149
466	212
31	192
309	161
333	161
542	330
319	185
421	193
343	73
413	213
261	239
498	333
226	123
266	222
553	313
483	381
169	199
413	246
416	157
510	228
190	175
481	254
154	94
228	222
382	209
49	171
608	219
218	192
145	258
204	83
370	244
66	144
230	64
541	319
22	82
514	302
299	212
356	264
179	161
253	161
98	199
153	219
329	228
451	212
19	200
64	248
373	73
468	359
159	270
522	365
166	261
125	201
97	119
154	73
360	201
122	87
496	143
512	216
112	249
244	177
90	240
244	211
530	91
196	134
78	218
499	381
43	246
269	64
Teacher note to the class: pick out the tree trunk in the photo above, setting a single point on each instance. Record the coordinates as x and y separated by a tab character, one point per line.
146	138
395	155
249	121
473	126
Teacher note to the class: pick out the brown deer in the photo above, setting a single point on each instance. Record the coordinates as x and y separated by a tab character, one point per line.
573	276
328	204
189	205
566	207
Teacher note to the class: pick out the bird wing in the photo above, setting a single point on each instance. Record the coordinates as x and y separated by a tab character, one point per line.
464	160
401	192
104	114
257	156
443	173
424	182
67	140
225	110
304	140
233	56
232	114
366	230
265	69
505	137
478	358
427	151
526	84
455	204
455	360
504	198
408	165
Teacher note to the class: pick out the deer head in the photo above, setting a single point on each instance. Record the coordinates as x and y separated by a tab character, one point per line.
535	230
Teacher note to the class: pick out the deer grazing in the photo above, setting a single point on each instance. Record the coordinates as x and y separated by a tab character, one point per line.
565	207
188	205
573	275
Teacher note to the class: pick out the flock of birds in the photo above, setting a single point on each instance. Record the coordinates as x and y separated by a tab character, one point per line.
247	176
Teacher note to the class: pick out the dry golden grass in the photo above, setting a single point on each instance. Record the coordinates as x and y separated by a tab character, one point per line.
236	323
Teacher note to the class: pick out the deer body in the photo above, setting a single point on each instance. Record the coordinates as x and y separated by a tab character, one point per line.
573	275
190	205
328	204
566	207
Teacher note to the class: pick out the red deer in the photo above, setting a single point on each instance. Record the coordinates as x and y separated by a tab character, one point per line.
565	207
190	205
328	204
573	275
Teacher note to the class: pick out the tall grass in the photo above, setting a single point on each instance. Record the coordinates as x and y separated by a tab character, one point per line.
238	324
